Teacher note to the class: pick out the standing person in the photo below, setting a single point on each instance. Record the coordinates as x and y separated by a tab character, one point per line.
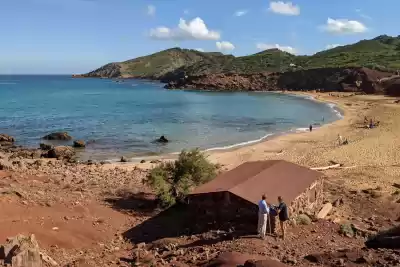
310	127
263	213
283	215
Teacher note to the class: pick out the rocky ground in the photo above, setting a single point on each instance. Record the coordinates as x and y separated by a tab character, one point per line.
93	214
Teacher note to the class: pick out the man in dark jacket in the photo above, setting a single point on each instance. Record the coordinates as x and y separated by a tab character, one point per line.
283	215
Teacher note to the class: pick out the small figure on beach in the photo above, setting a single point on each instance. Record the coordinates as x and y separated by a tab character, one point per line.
263	213
323	119
283	215
310	127
162	139
340	139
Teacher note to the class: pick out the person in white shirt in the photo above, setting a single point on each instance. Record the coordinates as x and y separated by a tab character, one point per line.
263	213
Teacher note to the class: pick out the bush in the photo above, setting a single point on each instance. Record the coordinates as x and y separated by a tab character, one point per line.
347	230
172	181
303	219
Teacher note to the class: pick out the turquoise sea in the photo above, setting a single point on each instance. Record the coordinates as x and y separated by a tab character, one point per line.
124	117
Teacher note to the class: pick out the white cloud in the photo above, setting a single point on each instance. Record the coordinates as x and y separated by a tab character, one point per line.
289	49
199	49
225	46
151	10
283	8
344	26
330	46
186	11
195	29
240	13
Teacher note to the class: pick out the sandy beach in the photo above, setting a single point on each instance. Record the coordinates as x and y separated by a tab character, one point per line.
369	150
81	211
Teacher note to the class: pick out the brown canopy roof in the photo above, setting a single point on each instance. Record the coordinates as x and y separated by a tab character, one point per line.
272	177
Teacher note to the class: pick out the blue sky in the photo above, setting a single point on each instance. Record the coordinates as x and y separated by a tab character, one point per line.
75	36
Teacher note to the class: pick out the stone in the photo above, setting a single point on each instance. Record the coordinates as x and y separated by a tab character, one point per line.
264	263
326	209
123	159
60	136
162	139
21	251
315	258
142	161
44	146
61	152
5	165
4	138
79	143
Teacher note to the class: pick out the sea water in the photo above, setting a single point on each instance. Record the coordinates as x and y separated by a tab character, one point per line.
123	118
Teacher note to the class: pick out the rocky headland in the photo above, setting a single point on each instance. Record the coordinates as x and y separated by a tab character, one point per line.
368	66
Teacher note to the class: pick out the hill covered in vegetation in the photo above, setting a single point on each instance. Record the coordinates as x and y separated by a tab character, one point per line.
381	53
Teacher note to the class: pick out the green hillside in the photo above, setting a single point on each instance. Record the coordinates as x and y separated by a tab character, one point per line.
382	53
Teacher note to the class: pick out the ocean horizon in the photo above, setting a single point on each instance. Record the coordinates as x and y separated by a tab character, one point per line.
124	117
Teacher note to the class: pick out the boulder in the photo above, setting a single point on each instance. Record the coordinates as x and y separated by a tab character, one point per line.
385	239
326	209
162	139
5	165
264	263
79	143
227	259
21	251
6	138
61	136
45	146
61	152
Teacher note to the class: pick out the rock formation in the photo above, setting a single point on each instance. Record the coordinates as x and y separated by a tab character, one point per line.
61	152
61	136
79	143
21	251
324	79
4	138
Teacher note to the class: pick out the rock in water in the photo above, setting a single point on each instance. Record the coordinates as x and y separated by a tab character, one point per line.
62	136
162	139
6	138
79	143
21	251
45	146
61	152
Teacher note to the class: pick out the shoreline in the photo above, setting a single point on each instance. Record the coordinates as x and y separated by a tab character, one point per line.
339	112
225	155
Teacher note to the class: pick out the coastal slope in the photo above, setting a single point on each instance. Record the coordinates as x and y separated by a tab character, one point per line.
155	66
357	67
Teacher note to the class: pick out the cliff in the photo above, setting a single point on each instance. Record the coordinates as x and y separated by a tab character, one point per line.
324	79
355	67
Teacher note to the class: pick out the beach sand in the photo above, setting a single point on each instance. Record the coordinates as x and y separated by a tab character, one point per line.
372	153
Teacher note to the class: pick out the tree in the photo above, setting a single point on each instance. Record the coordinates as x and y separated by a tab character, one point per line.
172	181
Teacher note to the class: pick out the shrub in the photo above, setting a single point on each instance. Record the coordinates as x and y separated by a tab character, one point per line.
303	219
172	181
346	230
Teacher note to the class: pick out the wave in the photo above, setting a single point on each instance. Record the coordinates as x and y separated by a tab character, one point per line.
6	83
246	143
335	110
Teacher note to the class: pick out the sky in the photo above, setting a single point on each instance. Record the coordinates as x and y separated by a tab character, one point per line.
77	36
